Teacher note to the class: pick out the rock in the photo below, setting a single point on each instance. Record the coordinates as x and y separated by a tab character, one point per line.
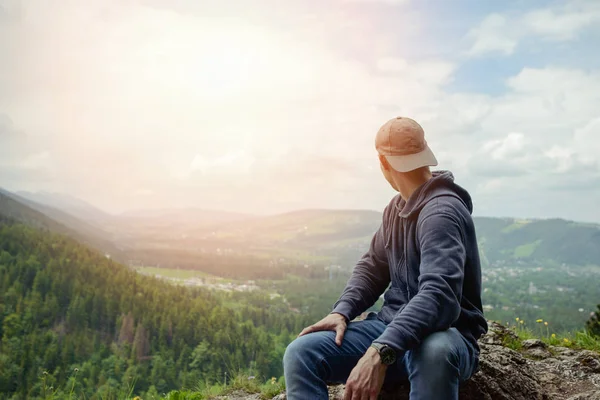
241	395
538	373
497	335
531	343
589	360
593	395
535	348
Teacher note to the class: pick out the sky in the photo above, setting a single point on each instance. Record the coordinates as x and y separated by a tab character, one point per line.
267	106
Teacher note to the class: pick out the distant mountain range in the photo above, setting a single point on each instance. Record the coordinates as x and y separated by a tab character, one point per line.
310	236
65	203
43	216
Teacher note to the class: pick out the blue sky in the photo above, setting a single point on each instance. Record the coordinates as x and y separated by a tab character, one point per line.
268	106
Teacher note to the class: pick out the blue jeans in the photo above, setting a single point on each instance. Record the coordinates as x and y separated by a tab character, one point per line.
434	369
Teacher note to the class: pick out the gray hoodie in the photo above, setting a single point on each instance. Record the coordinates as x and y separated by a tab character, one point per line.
427	249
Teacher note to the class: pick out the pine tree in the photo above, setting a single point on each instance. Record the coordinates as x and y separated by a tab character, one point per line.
141	343
127	331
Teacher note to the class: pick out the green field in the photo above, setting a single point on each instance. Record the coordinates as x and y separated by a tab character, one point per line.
174	273
526	250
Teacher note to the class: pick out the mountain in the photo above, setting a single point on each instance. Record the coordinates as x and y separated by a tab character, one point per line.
39	215
146	226
11	208
66	203
308	227
345	234
199	215
552	240
188	238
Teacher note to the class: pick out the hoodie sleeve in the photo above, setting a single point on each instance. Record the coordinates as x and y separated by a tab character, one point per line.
436	306
370	278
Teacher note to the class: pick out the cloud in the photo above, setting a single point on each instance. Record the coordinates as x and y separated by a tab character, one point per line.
502	33
23	161
493	35
563	23
15	145
6	127
510	147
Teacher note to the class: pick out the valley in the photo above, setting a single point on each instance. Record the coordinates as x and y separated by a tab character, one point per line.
154	301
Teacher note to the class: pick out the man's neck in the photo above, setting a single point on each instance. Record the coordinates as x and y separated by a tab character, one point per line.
409	184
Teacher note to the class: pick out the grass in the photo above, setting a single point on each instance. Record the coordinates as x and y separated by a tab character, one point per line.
526	250
203	391
579	340
517	224
239	383
71	392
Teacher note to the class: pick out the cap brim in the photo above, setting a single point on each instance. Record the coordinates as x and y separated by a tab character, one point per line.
411	162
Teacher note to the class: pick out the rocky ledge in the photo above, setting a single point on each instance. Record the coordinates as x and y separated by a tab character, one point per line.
536	372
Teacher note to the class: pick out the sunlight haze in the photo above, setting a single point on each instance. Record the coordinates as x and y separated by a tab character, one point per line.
270	106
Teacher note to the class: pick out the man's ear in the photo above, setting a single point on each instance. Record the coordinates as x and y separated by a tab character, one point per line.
384	162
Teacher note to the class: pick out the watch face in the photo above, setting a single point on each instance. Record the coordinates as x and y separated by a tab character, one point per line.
388	355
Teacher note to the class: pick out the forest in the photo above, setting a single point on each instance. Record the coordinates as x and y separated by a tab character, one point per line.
66	310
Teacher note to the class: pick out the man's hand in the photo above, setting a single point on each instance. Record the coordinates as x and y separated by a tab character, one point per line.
366	379
333	322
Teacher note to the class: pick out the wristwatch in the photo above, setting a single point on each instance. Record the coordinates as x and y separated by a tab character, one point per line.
387	354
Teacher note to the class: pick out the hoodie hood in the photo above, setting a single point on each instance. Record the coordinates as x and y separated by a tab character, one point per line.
440	184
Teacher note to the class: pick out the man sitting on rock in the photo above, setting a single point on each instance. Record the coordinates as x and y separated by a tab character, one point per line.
427	329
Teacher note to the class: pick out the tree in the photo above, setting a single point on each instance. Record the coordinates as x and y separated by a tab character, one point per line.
593	324
126	334
141	343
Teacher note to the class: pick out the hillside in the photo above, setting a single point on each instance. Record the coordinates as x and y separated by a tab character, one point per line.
66	203
175	237
45	217
555	240
341	236
67	312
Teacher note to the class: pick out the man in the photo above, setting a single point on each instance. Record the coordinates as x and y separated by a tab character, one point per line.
428	327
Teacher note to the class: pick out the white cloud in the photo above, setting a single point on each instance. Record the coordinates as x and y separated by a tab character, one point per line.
586	143
562	24
495	34
501	33
506	148
562	156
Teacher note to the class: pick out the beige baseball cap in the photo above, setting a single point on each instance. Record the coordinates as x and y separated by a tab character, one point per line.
402	141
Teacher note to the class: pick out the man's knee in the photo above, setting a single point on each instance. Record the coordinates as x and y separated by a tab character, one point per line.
294	351
437	350
305	350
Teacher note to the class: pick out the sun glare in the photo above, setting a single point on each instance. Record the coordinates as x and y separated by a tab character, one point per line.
212	61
